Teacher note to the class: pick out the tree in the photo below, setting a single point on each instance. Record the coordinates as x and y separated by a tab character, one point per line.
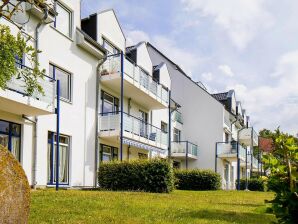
12	47
282	162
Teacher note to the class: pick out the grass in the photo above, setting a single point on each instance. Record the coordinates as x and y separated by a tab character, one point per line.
76	206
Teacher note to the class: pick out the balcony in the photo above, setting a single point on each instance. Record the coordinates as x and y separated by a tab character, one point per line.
228	150
248	136
15	100
134	129
137	84
184	148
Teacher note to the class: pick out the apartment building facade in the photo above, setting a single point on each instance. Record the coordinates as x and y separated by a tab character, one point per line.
28	124
117	102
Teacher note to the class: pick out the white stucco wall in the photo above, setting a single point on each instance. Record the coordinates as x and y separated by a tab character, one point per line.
109	28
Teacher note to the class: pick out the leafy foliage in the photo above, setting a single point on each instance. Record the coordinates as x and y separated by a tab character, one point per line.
253	184
138	175
282	163
197	180
12	47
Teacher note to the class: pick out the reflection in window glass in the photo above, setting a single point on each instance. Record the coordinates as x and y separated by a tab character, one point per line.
65	81
63	20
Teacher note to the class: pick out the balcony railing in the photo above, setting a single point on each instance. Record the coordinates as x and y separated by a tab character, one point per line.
136	75
231	148
177	116
47	83
183	146
139	129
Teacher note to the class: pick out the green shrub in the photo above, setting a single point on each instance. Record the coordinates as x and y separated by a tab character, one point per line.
254	184
197	180
139	175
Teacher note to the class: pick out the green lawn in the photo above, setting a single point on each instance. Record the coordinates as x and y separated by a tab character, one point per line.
76	206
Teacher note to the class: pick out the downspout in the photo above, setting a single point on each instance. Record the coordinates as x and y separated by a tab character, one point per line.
35	121
96	120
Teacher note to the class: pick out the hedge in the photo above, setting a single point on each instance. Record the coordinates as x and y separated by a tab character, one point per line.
254	184
139	175
197	180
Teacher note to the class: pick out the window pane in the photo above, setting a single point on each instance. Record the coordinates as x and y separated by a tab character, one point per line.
63	20
15	147
4	126
64	83
16	129
107	107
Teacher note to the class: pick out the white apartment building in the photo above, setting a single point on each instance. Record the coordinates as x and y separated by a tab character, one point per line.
208	129
28	124
117	102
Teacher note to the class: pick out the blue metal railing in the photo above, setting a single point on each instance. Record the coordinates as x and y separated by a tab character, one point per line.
133	125
17	84
136	74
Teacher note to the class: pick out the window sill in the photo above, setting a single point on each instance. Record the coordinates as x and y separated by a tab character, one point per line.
69	38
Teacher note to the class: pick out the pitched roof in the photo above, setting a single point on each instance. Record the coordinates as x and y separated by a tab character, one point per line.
220	96
134	47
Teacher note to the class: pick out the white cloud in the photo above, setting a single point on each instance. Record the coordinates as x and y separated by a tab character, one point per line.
207	76
226	70
240	19
135	36
182	57
276	105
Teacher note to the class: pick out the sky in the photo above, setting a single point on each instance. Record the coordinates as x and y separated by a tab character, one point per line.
250	46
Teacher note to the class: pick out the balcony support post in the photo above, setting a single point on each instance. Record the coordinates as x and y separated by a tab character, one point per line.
122	106
215	169
170	128
238	168
57	134
258	156
186	156
246	176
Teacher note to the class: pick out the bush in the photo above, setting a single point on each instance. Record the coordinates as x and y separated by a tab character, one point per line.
197	180
139	175
254	184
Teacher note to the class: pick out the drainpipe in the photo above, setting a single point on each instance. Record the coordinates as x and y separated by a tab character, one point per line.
35	121
96	120
170	128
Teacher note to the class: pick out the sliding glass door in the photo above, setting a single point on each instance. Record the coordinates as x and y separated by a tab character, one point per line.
10	137
64	148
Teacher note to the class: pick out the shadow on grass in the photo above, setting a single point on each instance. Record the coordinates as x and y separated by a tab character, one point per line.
220	215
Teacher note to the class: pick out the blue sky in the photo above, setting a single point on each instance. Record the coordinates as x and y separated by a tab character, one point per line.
249	45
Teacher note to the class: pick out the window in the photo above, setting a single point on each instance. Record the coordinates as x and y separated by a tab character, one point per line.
10	137
164	127
64	148
142	155
63	20
227	137
177	135
109	103
110	47
65	81
108	153
143	124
